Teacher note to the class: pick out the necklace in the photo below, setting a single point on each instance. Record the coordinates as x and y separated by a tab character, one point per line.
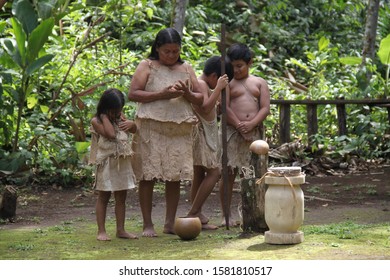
243	83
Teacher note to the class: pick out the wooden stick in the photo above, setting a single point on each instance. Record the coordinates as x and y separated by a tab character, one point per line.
225	174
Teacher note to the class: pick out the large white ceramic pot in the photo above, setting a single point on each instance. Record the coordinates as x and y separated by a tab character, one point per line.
284	205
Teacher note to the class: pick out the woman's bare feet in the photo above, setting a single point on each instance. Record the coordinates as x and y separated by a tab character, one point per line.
102	236
126	235
149	232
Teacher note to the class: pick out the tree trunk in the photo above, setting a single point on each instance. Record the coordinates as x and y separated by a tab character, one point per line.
179	14
370	35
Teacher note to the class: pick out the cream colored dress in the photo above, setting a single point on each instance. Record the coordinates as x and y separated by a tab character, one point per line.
112	158
162	144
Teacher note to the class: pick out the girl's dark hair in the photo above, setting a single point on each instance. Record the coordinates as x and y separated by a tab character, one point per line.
239	51
213	65
165	36
111	99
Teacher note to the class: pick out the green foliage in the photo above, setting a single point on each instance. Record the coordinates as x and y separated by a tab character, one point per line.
56	57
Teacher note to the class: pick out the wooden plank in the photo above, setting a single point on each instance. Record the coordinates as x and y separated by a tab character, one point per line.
371	102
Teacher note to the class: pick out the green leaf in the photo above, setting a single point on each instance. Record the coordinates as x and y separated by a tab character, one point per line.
45	8
10	46
384	50
20	36
38	38
351	60
32	100
26	14
44	109
82	147
38	63
149	13
323	43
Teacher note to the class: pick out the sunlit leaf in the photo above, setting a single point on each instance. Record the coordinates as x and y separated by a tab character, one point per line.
82	147
149	13
44	108
351	60
323	43
384	50
32	100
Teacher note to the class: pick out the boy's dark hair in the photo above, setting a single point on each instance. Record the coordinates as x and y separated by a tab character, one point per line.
213	65
239	51
165	36
111	99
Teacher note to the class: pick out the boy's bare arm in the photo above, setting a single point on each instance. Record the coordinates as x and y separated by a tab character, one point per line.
232	118
264	106
209	102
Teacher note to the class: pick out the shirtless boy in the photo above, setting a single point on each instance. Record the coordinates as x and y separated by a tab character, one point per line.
248	104
206	142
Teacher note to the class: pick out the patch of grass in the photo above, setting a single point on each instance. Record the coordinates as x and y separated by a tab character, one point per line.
313	189
346	230
78	242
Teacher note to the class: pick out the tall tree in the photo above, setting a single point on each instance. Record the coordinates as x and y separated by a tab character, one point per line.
370	35
179	13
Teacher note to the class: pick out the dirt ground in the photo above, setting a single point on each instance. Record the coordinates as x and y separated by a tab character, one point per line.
361	197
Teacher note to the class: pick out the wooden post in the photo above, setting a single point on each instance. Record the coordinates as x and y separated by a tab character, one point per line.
225	174
284	120
312	121
253	197
342	119
253	194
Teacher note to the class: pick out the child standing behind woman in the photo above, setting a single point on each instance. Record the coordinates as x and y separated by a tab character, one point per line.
111	152
206	148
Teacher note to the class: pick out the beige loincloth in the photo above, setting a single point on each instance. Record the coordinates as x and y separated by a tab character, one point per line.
206	144
162	150
238	152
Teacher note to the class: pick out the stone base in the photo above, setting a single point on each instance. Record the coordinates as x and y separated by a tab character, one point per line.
283	238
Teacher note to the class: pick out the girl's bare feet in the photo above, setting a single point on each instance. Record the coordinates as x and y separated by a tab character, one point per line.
126	235
149	232
102	236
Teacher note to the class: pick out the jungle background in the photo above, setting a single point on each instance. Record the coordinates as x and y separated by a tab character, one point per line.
58	56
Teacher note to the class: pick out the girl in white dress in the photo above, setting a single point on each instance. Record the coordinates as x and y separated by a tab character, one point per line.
111	153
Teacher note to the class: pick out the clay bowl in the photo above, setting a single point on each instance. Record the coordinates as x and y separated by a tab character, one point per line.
187	228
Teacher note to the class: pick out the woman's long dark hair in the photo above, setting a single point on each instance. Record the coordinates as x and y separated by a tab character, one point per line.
165	36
